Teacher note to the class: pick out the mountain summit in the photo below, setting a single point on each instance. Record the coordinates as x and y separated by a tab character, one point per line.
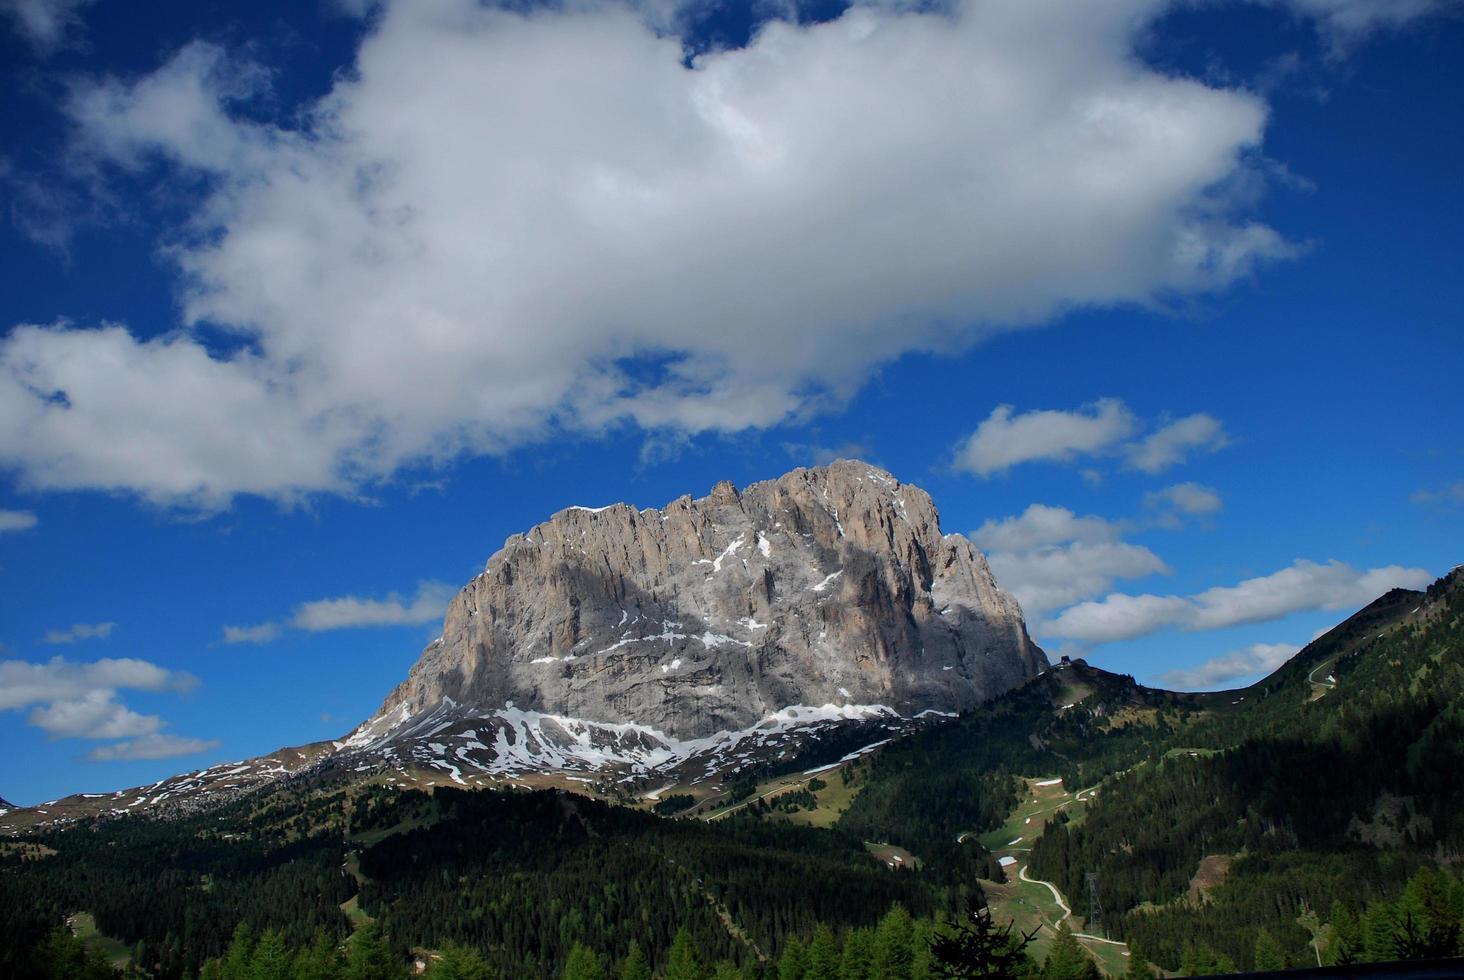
820	613
829	591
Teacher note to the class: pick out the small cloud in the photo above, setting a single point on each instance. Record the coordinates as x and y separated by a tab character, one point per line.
1172	444
352	612
816	455
78	632
1444	497
261	633
43	23
155	746
1190	499
325	716
17	520
1006	439
1258	658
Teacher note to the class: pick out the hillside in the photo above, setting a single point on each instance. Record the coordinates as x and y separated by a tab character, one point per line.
1327	800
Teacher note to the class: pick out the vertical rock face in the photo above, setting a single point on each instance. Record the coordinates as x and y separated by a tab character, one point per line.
831	585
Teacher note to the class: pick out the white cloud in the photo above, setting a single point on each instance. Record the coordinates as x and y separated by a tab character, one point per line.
1053	577
95	715
486	223
23	683
261	633
1040	525
17	520
43	23
1191	499
1449	496
1173	443
1345	22
1256	659
1048	557
156	746
350	612
78	632
1304	585
1103	428
1004	440
79	700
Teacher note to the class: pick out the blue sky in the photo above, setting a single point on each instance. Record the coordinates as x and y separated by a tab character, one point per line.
307	307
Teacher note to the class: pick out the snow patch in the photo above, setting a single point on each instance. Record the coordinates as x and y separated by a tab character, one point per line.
727	553
828	580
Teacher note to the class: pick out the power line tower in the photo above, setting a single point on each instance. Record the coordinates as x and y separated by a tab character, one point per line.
1095	907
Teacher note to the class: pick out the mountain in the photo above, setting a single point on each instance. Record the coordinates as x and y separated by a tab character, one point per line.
800	619
1325	795
641	641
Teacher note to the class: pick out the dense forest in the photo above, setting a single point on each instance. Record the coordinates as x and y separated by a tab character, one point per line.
1320	808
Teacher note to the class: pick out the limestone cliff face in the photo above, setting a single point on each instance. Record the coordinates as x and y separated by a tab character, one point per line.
831	585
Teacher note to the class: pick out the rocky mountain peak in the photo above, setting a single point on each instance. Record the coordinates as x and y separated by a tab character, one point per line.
830	585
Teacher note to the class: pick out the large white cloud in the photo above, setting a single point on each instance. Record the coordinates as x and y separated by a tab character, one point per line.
1304	585
1049	557
499	225
79	700
23	683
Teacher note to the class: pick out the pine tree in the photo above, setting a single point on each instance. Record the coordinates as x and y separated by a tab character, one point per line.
1378	926
371	958
793	964
823	956
726	970
635	966
1268	952
239	958
459	963
272	960
893	946
1428	924
319	961
1346	945
1139	967
1067	960
979	948
858	953
682	963
582	964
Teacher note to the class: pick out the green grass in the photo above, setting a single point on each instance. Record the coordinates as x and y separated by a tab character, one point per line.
355	913
115	951
1037	805
887	853
1030	905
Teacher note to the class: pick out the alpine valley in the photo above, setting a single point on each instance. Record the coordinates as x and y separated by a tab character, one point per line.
791	730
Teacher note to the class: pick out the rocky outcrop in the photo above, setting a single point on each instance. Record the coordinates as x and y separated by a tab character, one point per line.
831	585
